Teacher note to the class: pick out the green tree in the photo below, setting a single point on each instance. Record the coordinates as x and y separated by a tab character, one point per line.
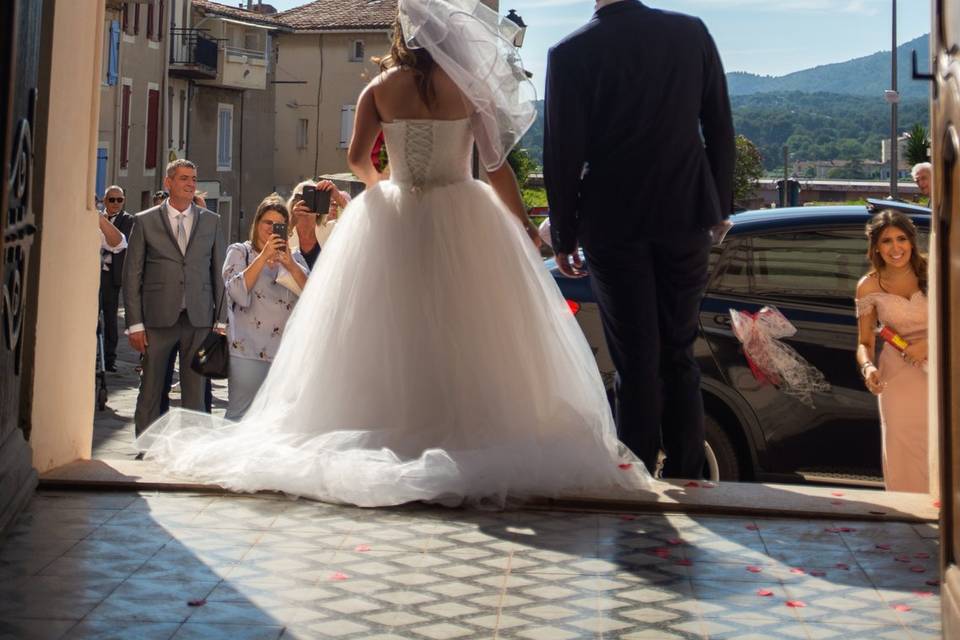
747	171
917	145
522	164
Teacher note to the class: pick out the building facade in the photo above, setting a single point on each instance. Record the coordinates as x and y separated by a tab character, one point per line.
129	138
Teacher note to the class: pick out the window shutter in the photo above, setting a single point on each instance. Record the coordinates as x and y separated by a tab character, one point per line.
125	126
225	140
136	19
159	20
153	121
346	124
125	16
101	170
113	55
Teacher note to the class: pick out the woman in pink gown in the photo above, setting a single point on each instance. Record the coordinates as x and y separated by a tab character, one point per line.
893	295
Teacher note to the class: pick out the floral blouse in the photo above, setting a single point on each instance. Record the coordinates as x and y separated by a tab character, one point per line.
256	317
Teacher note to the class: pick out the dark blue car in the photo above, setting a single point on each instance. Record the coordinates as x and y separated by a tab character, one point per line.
806	262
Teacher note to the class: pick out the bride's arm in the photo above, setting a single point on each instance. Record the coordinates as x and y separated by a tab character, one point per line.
366	128
504	182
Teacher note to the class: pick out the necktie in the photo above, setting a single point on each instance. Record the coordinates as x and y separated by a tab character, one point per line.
181	233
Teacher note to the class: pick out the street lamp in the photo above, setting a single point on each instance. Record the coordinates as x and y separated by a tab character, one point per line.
521	26
893	97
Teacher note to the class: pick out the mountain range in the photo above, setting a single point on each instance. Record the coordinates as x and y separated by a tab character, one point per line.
864	76
828	112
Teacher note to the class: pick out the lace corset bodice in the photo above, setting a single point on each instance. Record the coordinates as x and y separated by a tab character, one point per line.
428	153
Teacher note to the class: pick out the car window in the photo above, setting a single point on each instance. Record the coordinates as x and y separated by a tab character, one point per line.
816	264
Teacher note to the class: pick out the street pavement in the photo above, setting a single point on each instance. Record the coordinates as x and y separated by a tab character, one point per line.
113	427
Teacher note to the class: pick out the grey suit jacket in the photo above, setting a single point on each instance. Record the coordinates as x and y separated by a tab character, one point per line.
158	278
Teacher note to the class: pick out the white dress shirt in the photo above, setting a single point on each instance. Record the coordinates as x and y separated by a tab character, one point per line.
106	247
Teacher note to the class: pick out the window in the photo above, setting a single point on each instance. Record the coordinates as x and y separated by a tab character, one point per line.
224	137
136	19
357	51
153	126
346	124
182	125
823	264
170	94
113	53
251	41
303	127
101	179
125	18
150	28
125	96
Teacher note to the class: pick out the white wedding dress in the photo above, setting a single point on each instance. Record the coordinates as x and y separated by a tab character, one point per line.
430	357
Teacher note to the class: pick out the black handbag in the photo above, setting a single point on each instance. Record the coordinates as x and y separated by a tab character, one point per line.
212	359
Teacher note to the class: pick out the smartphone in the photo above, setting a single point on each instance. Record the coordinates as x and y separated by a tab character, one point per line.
280	229
310	197
317	201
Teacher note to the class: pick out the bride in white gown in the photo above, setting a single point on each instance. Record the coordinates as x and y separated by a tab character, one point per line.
431	355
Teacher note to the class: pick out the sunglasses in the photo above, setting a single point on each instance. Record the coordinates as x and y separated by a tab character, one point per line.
112	200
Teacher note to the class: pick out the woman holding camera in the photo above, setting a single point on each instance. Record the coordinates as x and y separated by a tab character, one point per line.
263	282
894	295
311	228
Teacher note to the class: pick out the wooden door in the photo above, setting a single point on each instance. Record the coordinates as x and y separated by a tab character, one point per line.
945	134
19	64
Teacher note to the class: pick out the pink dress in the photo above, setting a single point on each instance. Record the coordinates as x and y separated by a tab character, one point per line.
903	402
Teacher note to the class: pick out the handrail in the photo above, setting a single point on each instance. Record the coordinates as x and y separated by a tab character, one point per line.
193	47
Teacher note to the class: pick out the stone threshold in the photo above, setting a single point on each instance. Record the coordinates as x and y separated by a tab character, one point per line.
673	496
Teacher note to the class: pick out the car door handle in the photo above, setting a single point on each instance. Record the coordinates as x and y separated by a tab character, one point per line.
722	319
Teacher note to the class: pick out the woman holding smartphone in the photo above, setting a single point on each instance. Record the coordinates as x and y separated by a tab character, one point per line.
258	306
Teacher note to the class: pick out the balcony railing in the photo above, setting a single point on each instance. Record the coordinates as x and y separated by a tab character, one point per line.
193	53
251	54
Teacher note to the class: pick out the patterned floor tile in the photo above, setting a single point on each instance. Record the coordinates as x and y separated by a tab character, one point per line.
116	630
194	631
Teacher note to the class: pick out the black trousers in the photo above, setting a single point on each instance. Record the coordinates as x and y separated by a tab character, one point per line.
649	294
109	305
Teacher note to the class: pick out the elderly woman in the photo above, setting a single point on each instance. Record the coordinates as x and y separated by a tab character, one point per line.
263	281
311	228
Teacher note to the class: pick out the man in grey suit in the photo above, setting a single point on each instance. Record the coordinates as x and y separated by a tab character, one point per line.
171	284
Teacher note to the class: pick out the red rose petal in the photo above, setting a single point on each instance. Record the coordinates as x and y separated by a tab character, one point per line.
663	552
362	548
752	527
674	541
624	465
902	558
847	529
903	607
921	555
932	583
753	569
818	573
918	569
199	602
337	575
923	594
685	562
837	493
843	565
884	547
798	571
796	604
692	483
764	592
936	504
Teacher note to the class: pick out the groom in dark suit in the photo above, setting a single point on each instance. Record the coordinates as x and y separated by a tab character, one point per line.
638	164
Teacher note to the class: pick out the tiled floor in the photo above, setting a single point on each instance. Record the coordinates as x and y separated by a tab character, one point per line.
145	566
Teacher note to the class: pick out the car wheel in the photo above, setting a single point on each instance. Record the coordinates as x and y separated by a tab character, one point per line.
721	456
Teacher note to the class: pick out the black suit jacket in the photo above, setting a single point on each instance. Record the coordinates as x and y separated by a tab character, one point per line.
638	140
123	222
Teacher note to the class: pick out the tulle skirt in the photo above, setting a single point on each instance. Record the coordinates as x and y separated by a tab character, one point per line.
430	357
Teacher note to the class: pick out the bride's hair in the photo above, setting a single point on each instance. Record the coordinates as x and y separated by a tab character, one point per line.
419	61
880	223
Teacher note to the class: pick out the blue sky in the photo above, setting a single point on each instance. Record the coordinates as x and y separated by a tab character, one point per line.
771	37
